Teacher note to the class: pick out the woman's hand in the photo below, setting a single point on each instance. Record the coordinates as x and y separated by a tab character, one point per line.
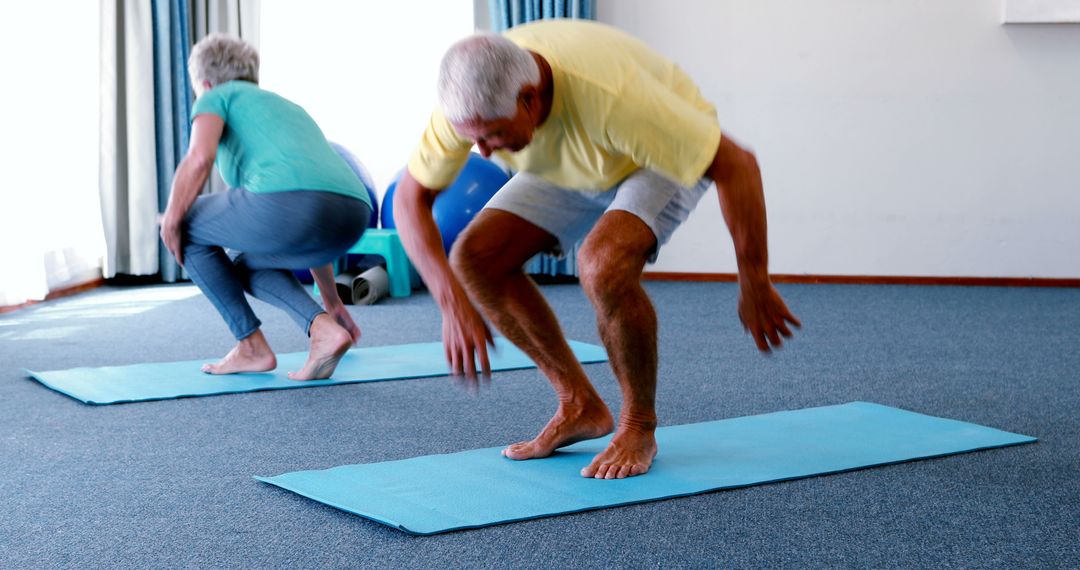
171	235
343	318
335	307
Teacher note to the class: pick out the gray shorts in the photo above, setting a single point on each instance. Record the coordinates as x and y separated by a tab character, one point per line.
569	215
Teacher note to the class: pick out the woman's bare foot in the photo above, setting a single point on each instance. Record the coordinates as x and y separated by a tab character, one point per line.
329	342
572	423
251	354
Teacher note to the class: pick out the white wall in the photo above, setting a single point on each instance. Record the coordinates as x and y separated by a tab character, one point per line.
915	137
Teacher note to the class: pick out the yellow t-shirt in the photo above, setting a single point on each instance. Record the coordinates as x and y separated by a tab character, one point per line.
618	106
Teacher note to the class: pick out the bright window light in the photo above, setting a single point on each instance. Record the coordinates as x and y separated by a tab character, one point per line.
364	70
50	222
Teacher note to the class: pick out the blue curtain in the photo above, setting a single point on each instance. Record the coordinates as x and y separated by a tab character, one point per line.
172	105
506	14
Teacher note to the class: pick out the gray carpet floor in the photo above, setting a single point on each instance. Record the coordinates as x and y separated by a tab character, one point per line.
169	484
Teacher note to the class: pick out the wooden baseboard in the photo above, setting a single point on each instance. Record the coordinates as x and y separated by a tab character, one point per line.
872	279
731	277
64	292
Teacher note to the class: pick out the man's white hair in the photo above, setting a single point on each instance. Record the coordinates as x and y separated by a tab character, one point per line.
218	58
481	76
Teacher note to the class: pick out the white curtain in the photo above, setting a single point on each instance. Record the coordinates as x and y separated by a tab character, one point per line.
129	177
129	201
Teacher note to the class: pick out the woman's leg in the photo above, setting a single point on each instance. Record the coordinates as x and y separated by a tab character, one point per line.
328	226
309	229
276	231
213	219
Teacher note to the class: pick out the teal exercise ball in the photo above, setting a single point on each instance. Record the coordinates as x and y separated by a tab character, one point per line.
362	173
459	203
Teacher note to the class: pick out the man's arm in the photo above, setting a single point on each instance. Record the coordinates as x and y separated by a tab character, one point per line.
190	177
465	334
742	201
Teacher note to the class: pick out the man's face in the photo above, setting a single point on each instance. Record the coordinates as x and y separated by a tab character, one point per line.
511	134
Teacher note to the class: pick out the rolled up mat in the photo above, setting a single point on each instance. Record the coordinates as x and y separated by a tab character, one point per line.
344	283
370	286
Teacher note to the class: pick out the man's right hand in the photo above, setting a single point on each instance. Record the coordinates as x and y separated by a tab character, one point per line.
465	337
465	334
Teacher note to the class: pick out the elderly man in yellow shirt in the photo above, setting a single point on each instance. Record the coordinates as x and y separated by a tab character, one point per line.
613	144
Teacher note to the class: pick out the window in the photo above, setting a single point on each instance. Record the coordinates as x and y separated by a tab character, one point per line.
50	222
364	70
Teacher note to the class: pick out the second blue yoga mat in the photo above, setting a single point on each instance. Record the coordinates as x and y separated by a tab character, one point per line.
164	380
477	488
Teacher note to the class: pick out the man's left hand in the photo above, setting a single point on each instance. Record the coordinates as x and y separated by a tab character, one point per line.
764	314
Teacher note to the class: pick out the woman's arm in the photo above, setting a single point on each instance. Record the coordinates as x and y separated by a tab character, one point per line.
190	177
335	307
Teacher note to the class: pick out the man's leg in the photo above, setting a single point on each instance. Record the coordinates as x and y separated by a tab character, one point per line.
612	259
489	263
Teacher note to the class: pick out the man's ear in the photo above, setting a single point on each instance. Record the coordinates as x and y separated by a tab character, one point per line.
530	98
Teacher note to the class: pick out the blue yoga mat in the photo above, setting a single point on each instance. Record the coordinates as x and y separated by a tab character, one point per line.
165	380
471	489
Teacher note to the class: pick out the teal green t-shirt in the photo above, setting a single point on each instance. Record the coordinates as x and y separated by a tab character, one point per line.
271	144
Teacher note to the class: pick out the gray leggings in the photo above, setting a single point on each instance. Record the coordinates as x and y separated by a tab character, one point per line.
267	235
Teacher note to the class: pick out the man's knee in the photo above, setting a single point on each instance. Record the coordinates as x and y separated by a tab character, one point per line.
613	255
474	256
495	245
605	269
462	252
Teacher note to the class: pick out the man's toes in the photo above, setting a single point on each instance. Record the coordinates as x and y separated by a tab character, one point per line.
639	469
589	471
624	471
518	451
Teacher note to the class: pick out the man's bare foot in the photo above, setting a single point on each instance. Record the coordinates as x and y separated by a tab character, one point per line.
329	342
630	453
572	423
251	354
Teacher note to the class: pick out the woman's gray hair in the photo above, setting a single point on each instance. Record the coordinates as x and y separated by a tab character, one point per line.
218	58
481	76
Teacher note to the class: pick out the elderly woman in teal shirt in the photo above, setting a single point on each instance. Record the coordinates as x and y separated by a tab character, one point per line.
293	203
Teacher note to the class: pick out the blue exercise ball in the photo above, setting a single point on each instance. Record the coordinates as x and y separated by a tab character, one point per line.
364	176
387	216
459	203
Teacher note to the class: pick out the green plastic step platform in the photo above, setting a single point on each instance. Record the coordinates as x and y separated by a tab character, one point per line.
387	243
